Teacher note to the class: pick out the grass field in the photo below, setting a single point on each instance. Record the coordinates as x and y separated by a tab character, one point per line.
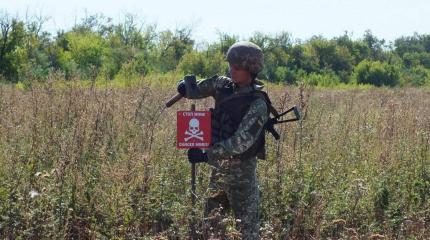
101	163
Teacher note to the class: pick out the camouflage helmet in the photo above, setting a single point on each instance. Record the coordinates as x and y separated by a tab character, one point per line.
247	55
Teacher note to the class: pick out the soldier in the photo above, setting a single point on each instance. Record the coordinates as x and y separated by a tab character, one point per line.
238	120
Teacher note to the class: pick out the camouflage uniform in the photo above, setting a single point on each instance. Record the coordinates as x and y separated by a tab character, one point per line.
233	182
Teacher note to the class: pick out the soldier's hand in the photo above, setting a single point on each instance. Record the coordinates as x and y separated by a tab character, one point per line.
196	155
181	88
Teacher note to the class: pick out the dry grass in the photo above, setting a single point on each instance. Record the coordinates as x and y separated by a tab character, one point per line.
102	163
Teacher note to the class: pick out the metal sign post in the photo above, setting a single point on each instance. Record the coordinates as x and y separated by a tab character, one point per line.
193	131
193	193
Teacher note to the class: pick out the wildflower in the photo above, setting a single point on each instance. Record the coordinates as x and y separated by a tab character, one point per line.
33	194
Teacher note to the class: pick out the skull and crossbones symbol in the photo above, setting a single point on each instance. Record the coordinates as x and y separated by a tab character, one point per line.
193	130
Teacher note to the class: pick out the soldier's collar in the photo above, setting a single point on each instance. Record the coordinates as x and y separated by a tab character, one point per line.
256	85
243	89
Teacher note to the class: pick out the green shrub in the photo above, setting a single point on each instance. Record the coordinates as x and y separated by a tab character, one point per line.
326	79
376	73
416	76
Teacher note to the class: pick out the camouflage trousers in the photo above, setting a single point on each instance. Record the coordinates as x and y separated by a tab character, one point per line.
234	185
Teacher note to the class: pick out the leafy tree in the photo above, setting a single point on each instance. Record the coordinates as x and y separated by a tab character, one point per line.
203	64
225	41
275	49
413	59
304	57
358	49
13	54
416	43
172	46
375	45
332	56
87	51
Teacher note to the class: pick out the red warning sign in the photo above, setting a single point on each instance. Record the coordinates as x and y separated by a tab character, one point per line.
193	129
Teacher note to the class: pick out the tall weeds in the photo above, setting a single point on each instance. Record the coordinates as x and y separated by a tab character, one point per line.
101	163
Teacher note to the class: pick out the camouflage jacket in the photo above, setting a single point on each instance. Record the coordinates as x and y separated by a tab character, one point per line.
250	127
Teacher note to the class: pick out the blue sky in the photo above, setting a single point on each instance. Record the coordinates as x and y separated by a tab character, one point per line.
303	19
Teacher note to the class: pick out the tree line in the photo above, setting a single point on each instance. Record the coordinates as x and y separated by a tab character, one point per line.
98	48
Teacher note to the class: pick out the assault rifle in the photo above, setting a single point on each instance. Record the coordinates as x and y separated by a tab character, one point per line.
271	122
